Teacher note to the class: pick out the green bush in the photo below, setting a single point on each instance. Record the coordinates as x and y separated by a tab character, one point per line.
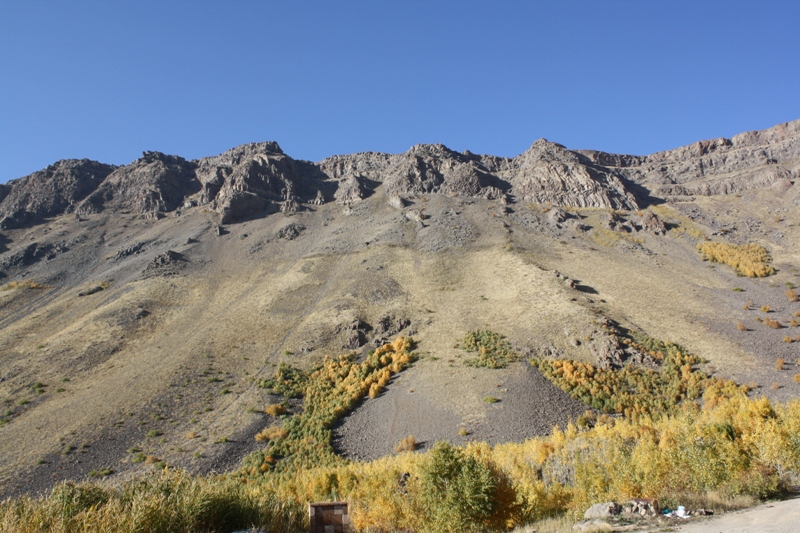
492	348
456	491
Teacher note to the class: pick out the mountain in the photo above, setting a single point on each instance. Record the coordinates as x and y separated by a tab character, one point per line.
143	305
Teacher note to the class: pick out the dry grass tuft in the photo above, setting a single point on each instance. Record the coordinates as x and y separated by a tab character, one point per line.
774	324
788	339
797	378
408	444
749	260
791	295
766	309
741	327
275	409
775	386
779	363
271	433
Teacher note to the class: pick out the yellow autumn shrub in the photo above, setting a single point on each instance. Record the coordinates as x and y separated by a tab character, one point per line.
751	260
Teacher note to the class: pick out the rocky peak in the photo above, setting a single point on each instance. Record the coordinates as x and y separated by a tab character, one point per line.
549	173
49	192
257	179
154	183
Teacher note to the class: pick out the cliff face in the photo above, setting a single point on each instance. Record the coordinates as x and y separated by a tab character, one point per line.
55	190
750	160
257	179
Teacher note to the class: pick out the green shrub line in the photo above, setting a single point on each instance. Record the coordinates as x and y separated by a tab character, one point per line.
492	348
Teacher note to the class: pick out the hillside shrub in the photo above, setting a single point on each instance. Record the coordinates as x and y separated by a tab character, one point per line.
749	260
634	390
456	491
493	349
329	393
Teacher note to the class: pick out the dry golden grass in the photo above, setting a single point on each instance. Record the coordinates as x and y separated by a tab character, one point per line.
271	433
791	295
275	409
191	435
741	327
766	308
796	314
797	378
775	386
749	260
408	444
609	238
774	324
27	284
779	363
788	339
794	323
151	460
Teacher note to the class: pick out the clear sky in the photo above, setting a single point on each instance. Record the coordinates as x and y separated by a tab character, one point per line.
106	79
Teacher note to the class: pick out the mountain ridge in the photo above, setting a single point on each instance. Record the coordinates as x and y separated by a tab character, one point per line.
257	179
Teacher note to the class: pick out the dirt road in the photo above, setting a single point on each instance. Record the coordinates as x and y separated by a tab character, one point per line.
773	517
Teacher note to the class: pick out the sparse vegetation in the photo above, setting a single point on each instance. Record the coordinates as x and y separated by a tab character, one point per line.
791	295
25	284
491	399
749	260
774	324
492	348
779	363
766	309
287	381
408	444
741	327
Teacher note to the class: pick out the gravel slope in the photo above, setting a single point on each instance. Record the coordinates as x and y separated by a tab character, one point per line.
529	406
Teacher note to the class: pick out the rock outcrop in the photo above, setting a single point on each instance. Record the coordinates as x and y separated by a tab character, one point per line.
549	173
154	183
751	160
255	180
50	192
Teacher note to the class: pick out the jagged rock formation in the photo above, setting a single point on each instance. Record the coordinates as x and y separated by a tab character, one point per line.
257	179
154	183
549	173
49	192
750	160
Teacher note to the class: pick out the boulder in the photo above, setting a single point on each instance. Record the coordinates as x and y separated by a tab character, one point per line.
602	510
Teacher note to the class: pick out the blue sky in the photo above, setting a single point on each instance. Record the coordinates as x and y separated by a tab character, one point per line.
107	80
